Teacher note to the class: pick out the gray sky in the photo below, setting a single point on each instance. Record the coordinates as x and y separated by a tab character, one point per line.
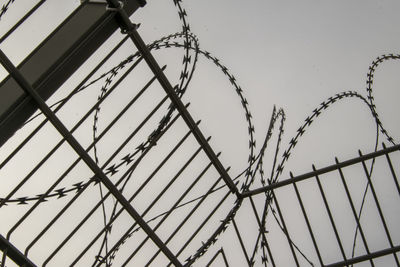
292	54
295	54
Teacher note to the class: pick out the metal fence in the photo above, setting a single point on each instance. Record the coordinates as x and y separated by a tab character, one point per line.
157	179
328	208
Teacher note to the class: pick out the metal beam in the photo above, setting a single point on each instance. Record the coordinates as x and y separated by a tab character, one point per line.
19	78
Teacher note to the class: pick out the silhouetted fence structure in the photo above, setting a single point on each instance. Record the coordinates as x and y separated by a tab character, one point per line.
125	177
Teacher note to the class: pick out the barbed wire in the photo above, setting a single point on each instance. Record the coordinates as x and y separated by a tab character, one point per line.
5	7
255	163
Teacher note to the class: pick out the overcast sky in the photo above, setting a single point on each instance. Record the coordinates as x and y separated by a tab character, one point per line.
292	54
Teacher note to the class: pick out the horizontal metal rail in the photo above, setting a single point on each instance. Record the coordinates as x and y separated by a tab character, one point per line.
365	257
320	171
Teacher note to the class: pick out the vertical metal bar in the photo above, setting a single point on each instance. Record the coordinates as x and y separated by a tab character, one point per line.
262	233
307	220
379	208
220	251
285	228
130	29
4	257
265	259
392	169
263	230
224	257
256	245
83	154
267	246
354	211
321	190
241	243
213	258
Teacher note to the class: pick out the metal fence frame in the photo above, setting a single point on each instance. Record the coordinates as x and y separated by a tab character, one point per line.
102	176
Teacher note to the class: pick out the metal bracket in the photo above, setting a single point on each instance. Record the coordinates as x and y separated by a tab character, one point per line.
115	9
125	31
